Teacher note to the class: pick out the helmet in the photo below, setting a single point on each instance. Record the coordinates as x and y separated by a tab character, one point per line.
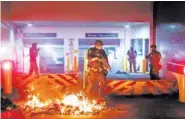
98	42
34	44
153	46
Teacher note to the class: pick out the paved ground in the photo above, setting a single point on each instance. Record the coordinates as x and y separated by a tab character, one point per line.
128	76
142	107
150	107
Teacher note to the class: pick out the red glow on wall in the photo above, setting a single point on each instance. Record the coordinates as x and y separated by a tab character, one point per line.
81	11
105	11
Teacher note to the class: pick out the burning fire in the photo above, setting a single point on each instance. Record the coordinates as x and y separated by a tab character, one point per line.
80	104
57	101
71	104
35	102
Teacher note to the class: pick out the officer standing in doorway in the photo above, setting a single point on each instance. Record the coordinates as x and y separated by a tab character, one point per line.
98	68
33	59
154	58
132	58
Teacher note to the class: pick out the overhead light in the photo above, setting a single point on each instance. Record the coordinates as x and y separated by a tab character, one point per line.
127	26
29	25
7	65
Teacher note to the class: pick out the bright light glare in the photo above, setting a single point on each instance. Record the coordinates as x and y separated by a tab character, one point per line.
30	25
7	65
49	50
127	26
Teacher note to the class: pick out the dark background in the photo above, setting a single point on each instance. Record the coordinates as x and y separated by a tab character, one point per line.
169	24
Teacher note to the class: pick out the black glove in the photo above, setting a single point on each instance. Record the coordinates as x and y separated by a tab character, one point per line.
147	56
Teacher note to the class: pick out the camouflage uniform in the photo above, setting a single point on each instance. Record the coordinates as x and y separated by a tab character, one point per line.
154	58
97	70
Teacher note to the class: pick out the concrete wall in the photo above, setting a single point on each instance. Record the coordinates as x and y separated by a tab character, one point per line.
142	31
5	10
82	11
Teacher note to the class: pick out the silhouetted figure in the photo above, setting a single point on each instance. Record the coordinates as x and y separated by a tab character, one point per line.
132	58
154	58
33	59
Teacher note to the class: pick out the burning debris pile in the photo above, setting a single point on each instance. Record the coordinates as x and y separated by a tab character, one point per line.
70	104
41	100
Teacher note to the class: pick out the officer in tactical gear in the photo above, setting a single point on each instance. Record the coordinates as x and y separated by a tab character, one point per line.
98	68
154	58
33	59
132	58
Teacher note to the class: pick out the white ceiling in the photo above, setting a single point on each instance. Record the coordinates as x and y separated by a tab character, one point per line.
76	24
